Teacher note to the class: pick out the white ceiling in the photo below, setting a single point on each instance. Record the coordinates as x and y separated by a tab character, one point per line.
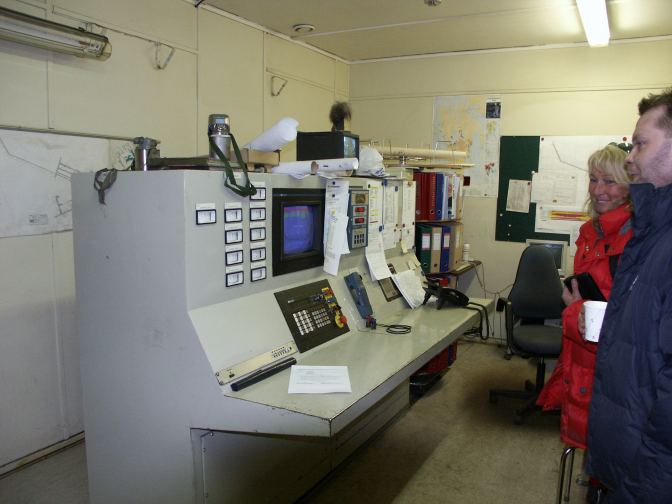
368	29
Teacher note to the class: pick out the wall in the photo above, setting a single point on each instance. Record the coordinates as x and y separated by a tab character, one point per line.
554	91
219	65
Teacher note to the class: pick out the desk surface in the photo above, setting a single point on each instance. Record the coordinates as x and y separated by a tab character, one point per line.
377	363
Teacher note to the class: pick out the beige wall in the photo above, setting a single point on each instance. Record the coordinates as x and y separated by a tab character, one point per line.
219	66
562	91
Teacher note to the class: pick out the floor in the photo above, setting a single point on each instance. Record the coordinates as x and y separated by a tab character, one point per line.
451	446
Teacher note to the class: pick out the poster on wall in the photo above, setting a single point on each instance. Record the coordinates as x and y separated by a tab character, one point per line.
35	173
471	124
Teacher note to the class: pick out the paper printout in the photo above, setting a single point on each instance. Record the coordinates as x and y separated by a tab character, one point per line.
319	380
518	196
375	257
407	215
376	197
338	224
410	287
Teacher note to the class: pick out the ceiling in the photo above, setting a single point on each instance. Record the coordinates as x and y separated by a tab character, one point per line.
356	30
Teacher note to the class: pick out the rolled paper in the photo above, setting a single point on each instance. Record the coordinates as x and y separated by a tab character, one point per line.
281	133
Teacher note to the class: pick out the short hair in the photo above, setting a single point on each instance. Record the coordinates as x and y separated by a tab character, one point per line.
610	160
663	99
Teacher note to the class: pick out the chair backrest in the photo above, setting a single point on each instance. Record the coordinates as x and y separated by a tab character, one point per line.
537	290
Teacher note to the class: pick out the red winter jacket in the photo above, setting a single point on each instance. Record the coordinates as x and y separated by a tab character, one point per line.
570	386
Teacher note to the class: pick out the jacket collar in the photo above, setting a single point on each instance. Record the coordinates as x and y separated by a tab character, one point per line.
615	220
652	208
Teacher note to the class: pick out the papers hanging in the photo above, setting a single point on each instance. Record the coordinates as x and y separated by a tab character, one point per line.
410	287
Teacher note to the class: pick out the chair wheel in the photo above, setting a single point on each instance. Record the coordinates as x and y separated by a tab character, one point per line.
493	398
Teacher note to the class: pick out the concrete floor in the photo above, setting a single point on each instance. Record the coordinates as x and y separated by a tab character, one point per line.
451	446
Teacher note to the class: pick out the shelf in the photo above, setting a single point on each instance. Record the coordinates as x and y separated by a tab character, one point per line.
461	269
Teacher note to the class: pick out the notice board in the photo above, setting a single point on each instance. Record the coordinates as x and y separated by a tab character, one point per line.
518	158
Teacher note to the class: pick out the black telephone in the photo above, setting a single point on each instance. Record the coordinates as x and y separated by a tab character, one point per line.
444	294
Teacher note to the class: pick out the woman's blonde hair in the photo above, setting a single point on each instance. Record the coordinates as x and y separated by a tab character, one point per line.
609	160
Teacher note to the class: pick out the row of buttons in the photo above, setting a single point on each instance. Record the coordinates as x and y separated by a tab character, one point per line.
236	235
236	214
236	256
238	277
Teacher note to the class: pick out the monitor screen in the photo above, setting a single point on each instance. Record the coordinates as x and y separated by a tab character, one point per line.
557	248
350	147
298	224
298	229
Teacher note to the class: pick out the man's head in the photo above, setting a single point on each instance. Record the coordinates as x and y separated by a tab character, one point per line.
651	157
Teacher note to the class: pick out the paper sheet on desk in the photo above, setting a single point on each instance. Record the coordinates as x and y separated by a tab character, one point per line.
410	287
319	380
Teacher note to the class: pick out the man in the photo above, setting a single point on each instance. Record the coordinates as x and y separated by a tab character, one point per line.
630	419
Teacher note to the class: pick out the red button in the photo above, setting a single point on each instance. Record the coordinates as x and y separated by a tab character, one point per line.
360	209
359	220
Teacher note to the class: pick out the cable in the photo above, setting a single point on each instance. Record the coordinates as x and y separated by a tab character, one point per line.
372	323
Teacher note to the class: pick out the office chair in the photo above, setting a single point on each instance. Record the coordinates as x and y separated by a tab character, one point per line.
536	295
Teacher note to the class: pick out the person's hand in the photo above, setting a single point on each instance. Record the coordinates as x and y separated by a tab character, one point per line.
571	297
582	322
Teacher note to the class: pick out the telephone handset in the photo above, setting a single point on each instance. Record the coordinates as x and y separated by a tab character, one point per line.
359	295
444	294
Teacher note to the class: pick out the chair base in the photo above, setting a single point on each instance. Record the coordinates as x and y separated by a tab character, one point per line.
529	394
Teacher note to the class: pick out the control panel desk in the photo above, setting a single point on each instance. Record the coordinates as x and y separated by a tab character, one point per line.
174	282
377	363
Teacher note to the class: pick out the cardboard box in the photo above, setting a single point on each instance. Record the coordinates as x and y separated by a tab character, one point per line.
259	160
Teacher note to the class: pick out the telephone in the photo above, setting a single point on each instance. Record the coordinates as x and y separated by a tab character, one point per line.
359	295
444	294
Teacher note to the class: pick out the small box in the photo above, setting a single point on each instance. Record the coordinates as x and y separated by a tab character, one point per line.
260	160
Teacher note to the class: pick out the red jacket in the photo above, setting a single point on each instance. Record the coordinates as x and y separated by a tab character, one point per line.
570	386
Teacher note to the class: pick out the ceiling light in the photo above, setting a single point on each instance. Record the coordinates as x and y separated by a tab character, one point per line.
38	32
595	23
303	28
433	3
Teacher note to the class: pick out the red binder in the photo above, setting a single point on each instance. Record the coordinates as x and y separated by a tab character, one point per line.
431	196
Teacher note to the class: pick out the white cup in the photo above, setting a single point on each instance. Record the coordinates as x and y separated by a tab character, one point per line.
594	314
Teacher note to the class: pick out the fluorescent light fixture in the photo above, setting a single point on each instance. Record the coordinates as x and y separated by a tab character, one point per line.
595	23
37	32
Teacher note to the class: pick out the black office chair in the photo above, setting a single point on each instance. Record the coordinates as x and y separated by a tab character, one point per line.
536	295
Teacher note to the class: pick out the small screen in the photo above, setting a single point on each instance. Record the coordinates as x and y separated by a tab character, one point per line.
349	147
556	248
298	229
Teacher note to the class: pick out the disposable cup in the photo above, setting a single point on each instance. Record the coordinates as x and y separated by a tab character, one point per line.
594	314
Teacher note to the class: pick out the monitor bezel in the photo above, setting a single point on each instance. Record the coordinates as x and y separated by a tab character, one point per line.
562	270
284	197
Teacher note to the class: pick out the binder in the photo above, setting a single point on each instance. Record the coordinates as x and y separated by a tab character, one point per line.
435	255
438	206
431	196
447	196
419	195
444	265
423	237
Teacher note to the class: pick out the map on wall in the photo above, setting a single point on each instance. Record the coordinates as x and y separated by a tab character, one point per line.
471	124
35	173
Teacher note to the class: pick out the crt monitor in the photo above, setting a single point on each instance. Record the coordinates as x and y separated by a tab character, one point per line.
558	248
298	229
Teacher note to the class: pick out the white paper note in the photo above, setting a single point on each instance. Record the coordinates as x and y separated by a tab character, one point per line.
319	380
375	256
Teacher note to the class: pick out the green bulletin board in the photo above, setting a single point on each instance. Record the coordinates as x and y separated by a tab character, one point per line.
518	158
